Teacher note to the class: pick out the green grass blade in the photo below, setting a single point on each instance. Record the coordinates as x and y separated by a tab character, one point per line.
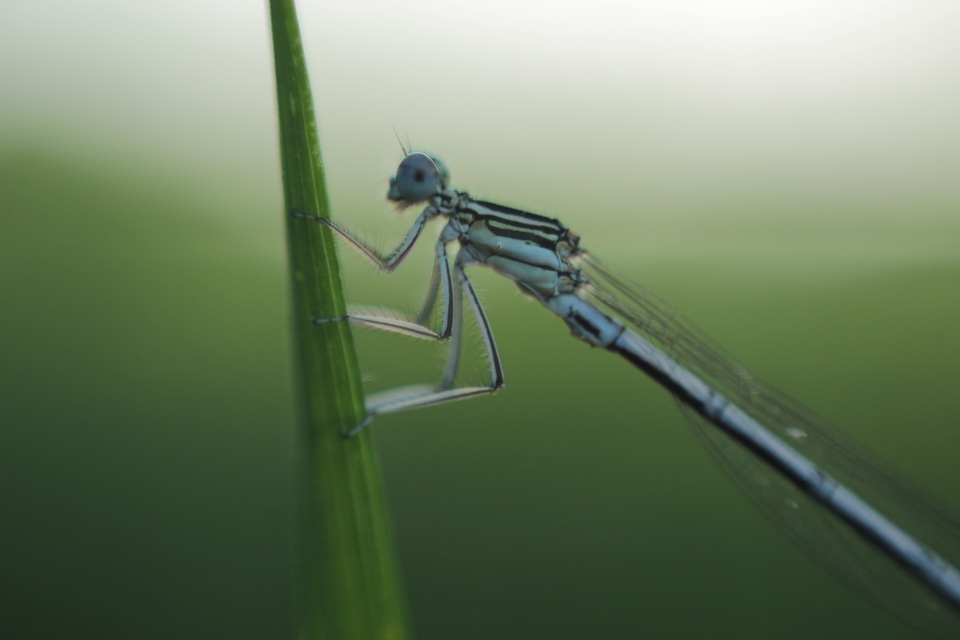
348	579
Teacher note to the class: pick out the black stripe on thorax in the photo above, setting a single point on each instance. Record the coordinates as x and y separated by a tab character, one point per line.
517	224
516	217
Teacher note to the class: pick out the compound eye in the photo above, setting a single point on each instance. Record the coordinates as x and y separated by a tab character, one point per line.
418	177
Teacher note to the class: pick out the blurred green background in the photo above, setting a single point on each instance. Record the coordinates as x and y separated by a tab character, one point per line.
785	173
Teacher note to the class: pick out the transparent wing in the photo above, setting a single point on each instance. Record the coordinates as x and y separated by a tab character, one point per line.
815	529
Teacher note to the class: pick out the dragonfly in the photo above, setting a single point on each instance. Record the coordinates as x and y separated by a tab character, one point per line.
848	509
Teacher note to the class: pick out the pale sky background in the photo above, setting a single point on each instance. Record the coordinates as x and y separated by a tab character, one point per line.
601	113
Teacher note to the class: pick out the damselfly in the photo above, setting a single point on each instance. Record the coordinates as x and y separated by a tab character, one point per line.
799	469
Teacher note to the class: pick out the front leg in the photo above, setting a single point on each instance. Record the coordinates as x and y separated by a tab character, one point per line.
389	261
